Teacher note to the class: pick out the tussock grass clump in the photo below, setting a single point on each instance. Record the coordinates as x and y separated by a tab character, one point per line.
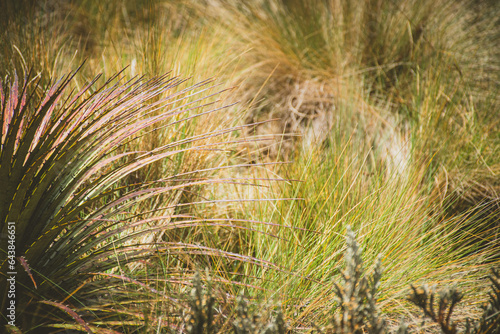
427	71
356	310
393	215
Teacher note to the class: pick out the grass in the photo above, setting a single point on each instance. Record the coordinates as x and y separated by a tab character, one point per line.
424	247
387	119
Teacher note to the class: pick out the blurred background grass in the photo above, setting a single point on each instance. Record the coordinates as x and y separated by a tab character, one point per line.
387	110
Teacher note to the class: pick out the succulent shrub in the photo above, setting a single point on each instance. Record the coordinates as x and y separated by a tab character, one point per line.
64	161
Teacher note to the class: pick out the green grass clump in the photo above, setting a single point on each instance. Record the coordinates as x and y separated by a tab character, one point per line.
356	310
395	217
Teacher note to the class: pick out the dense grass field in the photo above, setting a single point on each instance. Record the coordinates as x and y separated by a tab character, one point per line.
150	146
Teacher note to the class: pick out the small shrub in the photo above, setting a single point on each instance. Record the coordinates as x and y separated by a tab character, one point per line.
200	318
245	323
357	296
489	323
424	298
